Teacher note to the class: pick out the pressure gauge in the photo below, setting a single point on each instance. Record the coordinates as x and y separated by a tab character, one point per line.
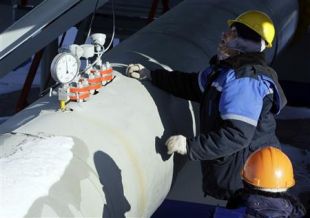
65	67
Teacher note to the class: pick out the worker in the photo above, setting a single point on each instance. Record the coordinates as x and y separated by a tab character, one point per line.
267	175
239	96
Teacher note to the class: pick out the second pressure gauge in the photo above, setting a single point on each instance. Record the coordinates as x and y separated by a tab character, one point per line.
65	67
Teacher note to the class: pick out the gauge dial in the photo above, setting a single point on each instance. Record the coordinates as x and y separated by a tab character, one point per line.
65	67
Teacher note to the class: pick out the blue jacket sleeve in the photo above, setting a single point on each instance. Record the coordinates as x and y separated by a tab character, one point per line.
180	84
233	136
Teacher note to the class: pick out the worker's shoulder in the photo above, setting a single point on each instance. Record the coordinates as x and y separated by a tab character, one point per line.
247	79
255	71
249	74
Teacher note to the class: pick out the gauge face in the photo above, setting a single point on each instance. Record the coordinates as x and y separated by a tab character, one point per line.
65	67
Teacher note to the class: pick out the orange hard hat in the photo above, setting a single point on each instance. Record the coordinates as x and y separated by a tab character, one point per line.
269	168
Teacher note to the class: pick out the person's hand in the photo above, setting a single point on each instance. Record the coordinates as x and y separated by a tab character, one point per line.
138	71
177	144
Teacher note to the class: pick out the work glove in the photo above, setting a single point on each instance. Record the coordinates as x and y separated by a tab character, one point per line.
177	144
138	71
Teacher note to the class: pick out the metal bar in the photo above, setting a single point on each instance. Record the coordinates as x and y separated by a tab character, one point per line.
24	3
38	28
22	101
153	10
165	4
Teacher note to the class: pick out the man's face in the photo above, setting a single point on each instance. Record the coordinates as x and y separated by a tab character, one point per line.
229	35
223	50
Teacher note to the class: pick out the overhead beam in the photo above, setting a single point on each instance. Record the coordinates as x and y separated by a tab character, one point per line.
38	28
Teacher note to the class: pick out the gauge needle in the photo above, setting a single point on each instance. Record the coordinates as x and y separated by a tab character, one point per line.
67	71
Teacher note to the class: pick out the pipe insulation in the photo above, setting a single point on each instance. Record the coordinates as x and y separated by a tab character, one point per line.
106	157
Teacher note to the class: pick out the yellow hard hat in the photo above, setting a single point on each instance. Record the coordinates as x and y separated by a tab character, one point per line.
268	168
258	21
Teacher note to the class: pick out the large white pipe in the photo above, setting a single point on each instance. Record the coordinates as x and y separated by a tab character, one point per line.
106	157
113	159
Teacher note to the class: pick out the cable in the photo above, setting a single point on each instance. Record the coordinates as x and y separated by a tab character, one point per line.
49	89
111	41
113	33
118	65
92	20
